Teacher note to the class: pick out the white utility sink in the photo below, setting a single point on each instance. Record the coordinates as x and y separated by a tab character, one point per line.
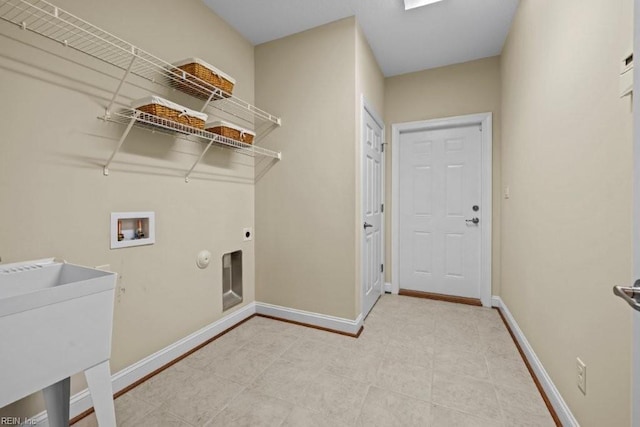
55	321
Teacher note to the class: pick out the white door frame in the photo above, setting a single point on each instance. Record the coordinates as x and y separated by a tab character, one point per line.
366	107
486	121
635	340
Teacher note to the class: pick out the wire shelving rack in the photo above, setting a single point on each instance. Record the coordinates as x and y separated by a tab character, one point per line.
52	22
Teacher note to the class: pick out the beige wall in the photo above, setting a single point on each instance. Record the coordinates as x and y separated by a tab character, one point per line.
56	202
370	85
472	87
369	77
566	229
305	204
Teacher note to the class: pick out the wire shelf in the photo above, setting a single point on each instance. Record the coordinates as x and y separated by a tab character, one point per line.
133	117
50	21
160	124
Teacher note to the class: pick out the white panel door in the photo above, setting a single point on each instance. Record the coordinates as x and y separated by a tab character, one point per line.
440	183
372	272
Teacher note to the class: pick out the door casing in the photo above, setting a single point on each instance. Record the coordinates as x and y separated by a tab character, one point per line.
486	121
635	351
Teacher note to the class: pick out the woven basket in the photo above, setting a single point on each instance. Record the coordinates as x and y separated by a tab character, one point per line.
170	114
206	75
232	133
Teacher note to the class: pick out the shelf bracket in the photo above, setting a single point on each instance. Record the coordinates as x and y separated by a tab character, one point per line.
107	112
186	178
105	169
208	101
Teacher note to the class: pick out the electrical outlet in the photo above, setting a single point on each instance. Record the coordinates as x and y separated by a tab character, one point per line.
581	370
507	192
247	234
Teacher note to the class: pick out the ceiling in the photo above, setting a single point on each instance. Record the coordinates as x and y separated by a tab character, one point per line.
444	33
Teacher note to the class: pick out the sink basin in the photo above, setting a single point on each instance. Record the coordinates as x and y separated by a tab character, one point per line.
55	321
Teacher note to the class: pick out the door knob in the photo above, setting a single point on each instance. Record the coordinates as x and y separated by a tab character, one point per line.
367	225
474	220
630	295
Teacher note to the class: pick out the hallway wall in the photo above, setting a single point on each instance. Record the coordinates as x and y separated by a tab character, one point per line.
566	228
306	204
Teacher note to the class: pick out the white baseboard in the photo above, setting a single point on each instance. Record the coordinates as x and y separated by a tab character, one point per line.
497	302
310	318
558	403
81	401
388	287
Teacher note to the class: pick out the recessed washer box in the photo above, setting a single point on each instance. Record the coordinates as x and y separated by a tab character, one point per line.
132	229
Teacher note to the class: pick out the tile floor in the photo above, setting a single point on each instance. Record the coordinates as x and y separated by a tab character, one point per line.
417	363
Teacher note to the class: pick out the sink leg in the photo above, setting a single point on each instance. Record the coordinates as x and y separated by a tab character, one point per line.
99	380
56	397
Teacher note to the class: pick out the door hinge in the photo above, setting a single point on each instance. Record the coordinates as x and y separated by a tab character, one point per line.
382	208
382	146
381	268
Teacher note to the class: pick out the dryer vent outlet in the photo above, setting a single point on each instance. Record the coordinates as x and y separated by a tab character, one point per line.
231	279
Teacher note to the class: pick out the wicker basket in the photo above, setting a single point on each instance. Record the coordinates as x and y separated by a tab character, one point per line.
210	78
237	134
170	114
